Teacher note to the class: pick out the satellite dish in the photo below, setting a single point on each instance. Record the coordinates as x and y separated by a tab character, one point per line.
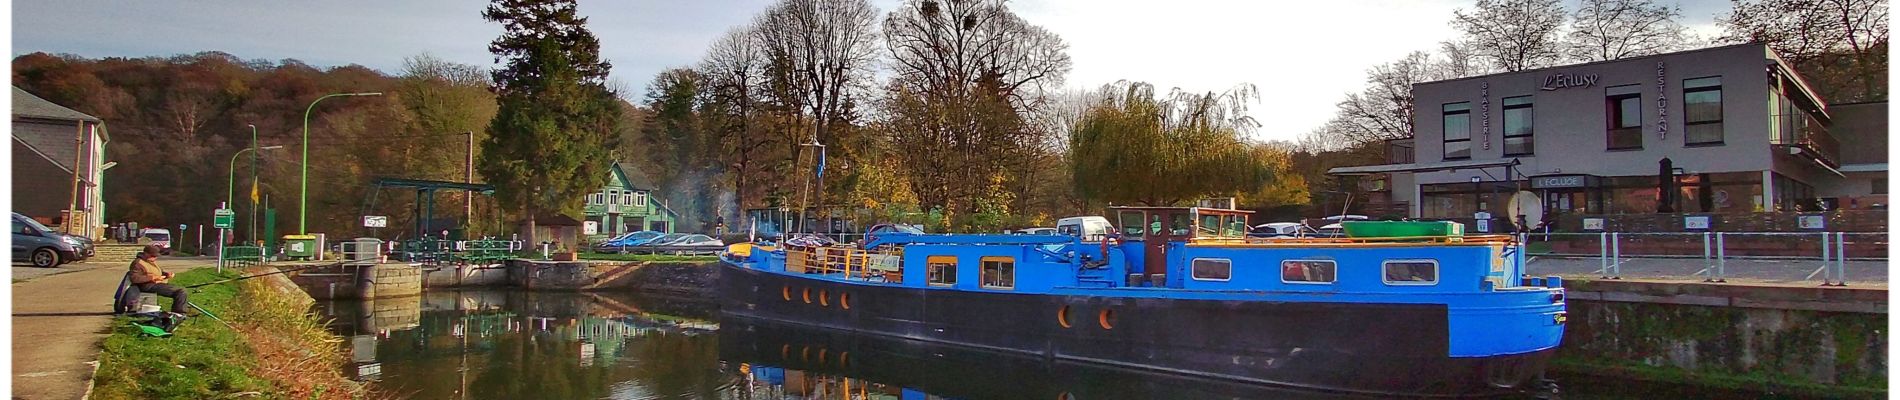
1528	205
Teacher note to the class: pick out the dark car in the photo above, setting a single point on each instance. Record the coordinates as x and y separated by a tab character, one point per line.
41	246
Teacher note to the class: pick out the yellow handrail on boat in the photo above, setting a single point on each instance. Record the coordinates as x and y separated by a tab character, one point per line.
849	262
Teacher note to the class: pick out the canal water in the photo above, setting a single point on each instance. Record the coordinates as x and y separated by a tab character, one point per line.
502	344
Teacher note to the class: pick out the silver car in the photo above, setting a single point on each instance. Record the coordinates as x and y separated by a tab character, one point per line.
41	246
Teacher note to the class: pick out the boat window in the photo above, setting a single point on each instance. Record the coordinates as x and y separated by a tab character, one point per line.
1131	223
1213	269
1180	223
1307	271
942	270
1210	225
999	272
1411	272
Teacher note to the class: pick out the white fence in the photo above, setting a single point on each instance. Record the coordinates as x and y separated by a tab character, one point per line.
1709	255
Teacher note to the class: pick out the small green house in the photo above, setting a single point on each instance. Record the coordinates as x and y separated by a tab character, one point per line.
626	204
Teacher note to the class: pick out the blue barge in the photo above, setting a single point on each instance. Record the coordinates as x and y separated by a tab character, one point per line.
1182	290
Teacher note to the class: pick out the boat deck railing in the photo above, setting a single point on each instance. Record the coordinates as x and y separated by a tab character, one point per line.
1356	241
850	263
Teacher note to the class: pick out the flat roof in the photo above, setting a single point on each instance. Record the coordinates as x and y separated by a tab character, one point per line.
1422	167
1637	58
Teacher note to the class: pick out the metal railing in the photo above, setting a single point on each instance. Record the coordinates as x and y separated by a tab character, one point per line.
1712	256
1805	131
851	263
240	256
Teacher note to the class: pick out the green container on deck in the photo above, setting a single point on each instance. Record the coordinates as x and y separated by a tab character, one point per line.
300	246
1378	229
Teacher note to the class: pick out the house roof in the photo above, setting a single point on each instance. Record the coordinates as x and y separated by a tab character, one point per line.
636	179
26	105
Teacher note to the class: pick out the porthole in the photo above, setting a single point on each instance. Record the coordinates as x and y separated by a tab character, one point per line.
785	352
804	354
1062	317
787	292
844	300
1106	318
824	297
807	295
821	355
842	356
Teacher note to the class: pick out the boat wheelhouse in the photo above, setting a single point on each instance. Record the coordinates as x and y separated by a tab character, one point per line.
1183	290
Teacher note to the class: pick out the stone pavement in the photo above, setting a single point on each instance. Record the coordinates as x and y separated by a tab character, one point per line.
60	315
1859	272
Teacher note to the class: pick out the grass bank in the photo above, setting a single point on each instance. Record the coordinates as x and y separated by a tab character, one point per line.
274	349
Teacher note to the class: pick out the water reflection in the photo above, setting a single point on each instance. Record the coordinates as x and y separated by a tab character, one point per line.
521	345
528	345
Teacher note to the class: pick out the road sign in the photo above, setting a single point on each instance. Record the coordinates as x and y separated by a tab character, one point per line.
181	227
375	221
222	218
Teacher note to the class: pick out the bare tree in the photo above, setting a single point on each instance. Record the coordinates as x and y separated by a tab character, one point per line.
1613	29
1838	43
1513	35
821	52
734	69
1384	109
967	75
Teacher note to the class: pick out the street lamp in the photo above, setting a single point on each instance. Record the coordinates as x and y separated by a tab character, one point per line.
230	188
303	192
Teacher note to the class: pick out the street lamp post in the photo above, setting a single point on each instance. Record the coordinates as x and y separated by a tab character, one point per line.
253	182
230	189
303	192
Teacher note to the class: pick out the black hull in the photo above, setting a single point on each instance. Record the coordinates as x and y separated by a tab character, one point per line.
1385	349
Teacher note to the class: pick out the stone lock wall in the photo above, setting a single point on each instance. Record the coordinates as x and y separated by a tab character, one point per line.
1784	335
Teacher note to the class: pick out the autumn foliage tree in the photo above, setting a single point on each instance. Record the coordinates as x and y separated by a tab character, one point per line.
1135	148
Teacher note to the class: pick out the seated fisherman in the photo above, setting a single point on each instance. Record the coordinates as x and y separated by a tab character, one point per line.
146	277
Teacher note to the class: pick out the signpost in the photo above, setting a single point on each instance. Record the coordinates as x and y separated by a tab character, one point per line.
221	219
375	221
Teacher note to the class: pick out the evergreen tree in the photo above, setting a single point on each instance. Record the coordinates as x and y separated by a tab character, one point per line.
548	146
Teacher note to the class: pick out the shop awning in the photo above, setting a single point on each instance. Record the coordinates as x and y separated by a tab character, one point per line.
1422	167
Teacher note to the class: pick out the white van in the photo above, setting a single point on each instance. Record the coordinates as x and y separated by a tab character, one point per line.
160	237
1090	228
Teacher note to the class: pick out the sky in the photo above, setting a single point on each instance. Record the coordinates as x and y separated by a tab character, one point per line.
1302	55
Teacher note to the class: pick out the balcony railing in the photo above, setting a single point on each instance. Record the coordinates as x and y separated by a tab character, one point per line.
1805	132
1398	151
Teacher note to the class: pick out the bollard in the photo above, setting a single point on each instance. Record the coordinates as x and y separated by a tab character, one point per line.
1826	262
1721	259
1603	254
1616	252
1840	259
1707	253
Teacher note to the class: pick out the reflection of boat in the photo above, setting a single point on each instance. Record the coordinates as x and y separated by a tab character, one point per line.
799	360
1437	315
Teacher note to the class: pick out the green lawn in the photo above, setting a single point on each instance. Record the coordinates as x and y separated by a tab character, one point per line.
202	359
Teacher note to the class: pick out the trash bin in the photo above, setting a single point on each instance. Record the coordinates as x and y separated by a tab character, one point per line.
301	247
363	251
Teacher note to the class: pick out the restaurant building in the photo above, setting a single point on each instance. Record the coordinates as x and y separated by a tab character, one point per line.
1724	129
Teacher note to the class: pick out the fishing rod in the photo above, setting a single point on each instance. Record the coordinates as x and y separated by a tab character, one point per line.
281	271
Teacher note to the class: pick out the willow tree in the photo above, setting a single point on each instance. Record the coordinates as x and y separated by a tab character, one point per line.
1134	148
548	144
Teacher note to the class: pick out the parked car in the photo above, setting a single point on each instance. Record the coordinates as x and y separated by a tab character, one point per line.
627	240
83	245
681	243
160	237
35	243
662	239
1282	230
1093	228
1037	231
1332	231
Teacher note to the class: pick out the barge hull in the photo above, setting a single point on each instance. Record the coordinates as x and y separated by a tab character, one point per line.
1369	348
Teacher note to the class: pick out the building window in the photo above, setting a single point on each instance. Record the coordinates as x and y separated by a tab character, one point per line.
639	198
1457	118
593	199
1213	269
1411	272
999	272
1880	186
1518	126
1626	118
941	270
1702	110
1307	271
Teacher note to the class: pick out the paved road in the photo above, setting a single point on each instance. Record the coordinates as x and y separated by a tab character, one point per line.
1768	271
59	317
